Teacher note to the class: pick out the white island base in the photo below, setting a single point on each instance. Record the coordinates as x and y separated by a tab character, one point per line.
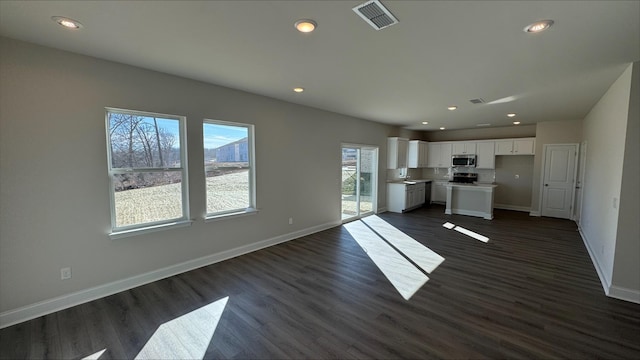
470	199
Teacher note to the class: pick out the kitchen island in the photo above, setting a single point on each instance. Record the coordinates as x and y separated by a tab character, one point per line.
470	199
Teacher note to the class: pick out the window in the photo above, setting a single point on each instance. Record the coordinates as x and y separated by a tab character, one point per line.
148	169
229	168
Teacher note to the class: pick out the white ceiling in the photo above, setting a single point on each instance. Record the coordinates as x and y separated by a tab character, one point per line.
441	53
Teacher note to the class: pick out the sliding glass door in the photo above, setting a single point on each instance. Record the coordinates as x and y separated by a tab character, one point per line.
359	181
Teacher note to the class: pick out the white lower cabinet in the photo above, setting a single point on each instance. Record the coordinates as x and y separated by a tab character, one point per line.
439	191
402	197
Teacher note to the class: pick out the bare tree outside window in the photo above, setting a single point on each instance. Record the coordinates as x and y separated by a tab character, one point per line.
146	168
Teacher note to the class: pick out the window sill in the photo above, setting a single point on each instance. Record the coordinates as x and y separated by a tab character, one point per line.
217	217
149	229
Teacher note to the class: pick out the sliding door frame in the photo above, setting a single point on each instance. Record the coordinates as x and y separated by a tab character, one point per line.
373	180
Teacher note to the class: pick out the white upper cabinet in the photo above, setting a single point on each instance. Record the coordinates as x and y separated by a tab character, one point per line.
486	155
439	155
397	152
464	148
445	154
504	147
417	157
525	146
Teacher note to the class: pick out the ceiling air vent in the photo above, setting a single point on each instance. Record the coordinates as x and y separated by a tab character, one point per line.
477	101
375	14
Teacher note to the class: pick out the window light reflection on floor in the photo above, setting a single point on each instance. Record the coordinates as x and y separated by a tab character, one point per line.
375	236
405	277
421	255
467	232
95	356
185	337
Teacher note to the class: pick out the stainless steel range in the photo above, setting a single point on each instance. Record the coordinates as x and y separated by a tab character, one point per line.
464	177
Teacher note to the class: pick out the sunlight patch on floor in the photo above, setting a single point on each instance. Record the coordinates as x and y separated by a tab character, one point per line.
474	235
467	232
185	337
95	356
421	255
405	277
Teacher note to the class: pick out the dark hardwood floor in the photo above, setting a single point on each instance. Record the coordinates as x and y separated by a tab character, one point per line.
530	292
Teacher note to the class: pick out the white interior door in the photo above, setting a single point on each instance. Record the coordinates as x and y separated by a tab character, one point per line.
582	163
559	180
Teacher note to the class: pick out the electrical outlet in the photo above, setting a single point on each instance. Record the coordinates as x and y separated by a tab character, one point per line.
290	221
65	273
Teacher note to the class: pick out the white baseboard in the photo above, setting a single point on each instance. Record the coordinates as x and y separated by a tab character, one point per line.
619	292
596	264
15	316
512	207
614	291
382	210
534	213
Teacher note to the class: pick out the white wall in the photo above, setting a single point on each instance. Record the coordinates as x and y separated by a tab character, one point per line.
604	130
54	190
626	266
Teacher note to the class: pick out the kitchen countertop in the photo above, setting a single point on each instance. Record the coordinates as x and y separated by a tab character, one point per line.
409	182
474	185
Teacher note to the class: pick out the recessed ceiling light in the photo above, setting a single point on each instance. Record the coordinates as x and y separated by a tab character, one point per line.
66	22
452	107
516	123
425	123
511	114
306	25
442	128
538	26
298	89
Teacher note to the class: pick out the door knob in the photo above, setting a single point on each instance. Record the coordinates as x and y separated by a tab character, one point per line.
546	184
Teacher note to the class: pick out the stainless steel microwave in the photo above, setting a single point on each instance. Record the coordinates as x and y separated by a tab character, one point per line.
463	160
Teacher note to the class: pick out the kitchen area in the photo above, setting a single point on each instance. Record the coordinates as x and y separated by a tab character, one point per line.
470	177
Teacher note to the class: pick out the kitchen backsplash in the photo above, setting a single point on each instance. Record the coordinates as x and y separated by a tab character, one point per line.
484	175
397	174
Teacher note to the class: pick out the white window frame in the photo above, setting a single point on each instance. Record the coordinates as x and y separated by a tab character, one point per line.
184	220
252	208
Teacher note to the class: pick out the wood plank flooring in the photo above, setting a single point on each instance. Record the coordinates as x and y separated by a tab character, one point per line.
530	292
